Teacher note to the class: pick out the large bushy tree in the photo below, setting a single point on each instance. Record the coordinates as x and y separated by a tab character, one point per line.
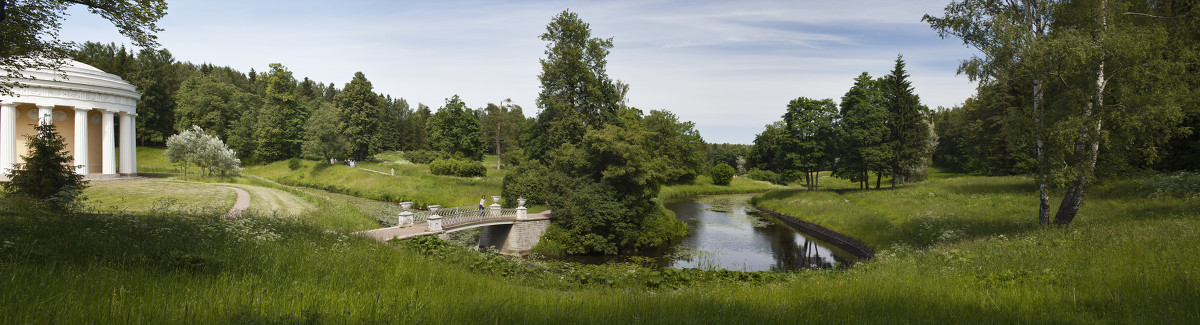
47	175
861	131
362	112
576	92
808	134
598	176
323	134
454	129
678	143
279	128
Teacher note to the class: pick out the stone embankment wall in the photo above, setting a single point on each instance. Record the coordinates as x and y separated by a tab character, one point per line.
825	234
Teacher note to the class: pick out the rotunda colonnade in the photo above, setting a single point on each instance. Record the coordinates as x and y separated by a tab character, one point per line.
83	108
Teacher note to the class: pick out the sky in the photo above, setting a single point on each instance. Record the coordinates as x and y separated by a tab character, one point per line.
728	66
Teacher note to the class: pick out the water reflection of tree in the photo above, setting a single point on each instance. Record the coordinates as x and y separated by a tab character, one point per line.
790	256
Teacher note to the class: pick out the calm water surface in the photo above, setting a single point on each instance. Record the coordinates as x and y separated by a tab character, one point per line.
722	235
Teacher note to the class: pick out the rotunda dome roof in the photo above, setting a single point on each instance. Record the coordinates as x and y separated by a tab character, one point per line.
85	86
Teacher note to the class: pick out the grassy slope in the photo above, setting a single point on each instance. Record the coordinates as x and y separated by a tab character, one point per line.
1126	260
411	183
268	270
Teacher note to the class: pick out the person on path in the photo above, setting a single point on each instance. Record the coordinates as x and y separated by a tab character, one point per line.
481	202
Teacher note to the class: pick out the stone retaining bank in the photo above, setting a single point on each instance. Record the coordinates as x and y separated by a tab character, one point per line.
851	245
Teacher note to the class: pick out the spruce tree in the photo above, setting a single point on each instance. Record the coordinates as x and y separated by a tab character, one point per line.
909	132
47	175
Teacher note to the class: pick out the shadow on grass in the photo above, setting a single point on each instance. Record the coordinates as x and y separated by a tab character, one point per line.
993	188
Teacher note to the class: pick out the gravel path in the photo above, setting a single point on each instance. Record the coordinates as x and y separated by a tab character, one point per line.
239	206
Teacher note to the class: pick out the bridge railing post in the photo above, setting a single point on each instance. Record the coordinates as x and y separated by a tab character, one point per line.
495	207
521	210
406	216
434	220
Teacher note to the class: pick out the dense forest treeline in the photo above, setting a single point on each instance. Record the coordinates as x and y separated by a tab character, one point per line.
268	116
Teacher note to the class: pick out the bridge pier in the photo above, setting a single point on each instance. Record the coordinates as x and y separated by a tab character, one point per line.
523	236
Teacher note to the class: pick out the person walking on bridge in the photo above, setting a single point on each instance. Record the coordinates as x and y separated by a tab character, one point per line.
481	202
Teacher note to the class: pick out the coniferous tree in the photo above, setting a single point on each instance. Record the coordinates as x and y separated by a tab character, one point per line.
908	136
280	123
47	175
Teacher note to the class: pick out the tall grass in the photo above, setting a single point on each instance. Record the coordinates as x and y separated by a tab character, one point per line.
196	268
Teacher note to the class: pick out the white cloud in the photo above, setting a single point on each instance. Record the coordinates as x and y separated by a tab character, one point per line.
730	66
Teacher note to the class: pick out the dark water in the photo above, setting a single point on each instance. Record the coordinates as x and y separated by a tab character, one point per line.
722	235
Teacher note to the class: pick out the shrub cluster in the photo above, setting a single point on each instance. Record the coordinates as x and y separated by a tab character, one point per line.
455	167
424	156
766	176
722	174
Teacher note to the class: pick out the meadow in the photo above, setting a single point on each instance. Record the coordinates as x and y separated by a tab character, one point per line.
954	249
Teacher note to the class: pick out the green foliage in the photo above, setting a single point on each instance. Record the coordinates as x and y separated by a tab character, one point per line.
678	142
511	122
362	112
294	163
456	167
765	175
808	137
424	156
280	121
207	101
576	92
722	174
768	152
985	135
455	130
861	132
909	136
324	137
731	154
46	176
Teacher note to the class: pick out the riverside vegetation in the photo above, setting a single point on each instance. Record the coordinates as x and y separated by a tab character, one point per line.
954	257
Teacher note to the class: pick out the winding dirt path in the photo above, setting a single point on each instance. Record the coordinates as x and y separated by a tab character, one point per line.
239	206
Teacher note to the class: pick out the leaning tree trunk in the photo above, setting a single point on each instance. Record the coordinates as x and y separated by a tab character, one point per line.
1088	144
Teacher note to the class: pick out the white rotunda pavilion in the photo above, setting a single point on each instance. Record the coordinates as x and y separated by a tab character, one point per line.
82	107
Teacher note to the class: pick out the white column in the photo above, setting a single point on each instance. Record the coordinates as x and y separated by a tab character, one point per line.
45	114
125	162
107	160
133	144
8	136
81	141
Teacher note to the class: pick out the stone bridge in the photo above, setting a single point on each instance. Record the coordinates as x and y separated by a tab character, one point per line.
509	231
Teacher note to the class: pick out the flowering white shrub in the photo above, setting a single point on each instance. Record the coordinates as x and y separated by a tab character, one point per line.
194	147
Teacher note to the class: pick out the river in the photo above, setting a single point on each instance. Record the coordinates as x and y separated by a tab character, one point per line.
723	233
